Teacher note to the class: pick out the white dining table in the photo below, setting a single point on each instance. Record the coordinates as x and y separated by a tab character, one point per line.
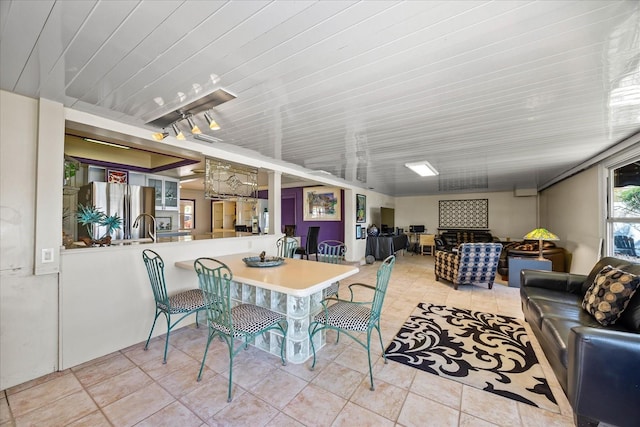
294	288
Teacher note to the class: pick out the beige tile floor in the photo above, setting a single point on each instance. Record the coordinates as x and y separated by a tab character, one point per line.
133	387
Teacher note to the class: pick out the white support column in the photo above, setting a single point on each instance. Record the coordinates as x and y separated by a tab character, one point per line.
50	166
275	202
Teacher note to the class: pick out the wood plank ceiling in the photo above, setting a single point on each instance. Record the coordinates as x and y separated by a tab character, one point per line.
496	95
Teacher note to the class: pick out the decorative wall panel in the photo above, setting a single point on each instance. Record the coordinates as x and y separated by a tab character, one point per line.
224	180
471	213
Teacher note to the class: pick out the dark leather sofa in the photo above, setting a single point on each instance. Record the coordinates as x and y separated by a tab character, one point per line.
597	366
448	240
529	249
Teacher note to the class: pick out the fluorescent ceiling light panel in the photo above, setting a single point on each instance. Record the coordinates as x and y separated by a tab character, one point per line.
97	141
422	168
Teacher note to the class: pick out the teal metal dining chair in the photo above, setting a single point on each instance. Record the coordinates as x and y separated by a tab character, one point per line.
244	321
333	252
286	246
354	317
182	303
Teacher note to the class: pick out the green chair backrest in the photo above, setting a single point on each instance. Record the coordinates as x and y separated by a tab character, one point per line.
286	246
155	270
214	278
382	281
331	251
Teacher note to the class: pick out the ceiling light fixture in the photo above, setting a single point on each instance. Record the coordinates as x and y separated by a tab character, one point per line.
194	128
178	132
422	168
97	141
213	125
159	136
190	111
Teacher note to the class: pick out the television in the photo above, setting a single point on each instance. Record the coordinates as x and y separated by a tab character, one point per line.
387	220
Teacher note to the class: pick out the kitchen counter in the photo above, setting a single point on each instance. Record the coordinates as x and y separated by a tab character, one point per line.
171	237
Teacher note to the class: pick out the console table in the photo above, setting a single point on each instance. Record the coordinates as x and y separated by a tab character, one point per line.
380	247
516	264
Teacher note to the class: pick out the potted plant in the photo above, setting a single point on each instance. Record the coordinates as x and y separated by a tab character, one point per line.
89	215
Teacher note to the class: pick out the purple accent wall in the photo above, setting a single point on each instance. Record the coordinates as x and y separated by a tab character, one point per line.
329	230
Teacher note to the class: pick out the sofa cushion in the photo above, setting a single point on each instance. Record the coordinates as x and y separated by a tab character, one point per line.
610	294
539	308
620	263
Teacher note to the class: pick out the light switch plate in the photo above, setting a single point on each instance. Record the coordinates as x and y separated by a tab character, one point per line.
47	255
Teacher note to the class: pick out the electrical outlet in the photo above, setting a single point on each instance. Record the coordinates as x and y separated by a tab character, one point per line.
47	255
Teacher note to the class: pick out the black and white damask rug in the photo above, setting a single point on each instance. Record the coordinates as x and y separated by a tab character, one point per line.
483	350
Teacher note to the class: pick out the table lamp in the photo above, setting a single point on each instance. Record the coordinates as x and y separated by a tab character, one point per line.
540	234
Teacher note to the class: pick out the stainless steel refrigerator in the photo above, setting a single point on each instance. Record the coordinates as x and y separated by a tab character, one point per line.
127	201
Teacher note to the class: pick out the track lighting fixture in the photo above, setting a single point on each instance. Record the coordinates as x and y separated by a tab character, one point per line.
194	129
192	113
178	132
212	123
159	136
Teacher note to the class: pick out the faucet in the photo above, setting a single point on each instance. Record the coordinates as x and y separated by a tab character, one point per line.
152	231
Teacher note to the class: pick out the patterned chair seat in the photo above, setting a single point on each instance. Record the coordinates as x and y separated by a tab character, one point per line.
331	290
184	302
473	264
249	319
346	315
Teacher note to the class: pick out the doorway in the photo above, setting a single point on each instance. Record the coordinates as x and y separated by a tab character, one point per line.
288	215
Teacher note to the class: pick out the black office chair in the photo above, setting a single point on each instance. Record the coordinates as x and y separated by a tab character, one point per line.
311	247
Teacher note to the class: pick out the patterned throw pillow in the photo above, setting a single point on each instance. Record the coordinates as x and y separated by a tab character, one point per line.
609	294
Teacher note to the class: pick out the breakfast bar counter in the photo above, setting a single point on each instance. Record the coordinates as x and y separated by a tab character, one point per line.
297	277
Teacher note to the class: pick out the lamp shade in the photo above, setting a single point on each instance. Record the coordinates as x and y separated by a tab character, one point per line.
540	234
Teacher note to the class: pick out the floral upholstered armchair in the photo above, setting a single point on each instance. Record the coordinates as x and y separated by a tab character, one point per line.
473	263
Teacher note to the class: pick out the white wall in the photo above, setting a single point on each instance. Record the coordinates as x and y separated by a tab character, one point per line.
28	303
356	248
509	216
572	210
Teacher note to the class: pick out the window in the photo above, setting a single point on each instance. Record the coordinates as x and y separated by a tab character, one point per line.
623	219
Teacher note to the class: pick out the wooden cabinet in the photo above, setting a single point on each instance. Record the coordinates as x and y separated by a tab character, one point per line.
223	215
167	192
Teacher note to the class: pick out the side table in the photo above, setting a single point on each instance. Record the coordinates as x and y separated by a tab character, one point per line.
518	263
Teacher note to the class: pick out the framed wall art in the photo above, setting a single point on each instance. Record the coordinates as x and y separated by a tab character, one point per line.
361	208
164	223
321	204
358	231
115	176
471	213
